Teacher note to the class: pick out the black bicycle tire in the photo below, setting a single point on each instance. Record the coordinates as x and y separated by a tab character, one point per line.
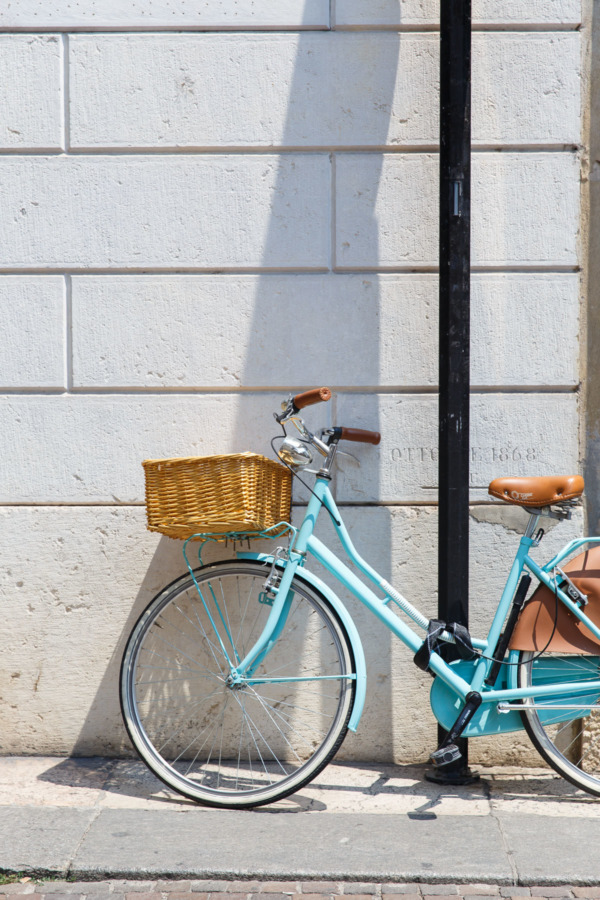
542	742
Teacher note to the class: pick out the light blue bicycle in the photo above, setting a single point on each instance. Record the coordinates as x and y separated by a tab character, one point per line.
241	678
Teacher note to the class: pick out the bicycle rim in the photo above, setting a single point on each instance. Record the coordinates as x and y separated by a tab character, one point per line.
250	744
568	739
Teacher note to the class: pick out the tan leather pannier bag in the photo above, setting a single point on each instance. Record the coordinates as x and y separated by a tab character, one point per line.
534	625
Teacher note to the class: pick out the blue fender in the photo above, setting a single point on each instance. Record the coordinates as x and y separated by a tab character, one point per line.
359	656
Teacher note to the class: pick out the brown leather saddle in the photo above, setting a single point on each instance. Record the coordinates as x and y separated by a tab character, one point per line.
537	491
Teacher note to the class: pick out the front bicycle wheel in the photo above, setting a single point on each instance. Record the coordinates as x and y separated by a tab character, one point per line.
564	730
227	744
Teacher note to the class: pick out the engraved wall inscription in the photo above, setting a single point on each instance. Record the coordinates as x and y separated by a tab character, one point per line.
478	454
486	463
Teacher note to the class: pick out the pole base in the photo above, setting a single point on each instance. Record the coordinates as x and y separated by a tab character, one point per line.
458	774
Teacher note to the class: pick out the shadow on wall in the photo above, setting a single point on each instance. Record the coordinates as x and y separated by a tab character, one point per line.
312	329
302	329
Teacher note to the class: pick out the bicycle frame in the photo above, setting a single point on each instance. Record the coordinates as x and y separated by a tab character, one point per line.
306	543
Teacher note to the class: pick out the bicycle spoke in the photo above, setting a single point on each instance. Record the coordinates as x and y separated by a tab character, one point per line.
193	762
248	721
220	749
186	680
178	667
290	663
229	630
307	709
244	635
288	723
159	637
237	774
225	625
292	719
212	646
177	730
216	728
278	728
185	634
266	743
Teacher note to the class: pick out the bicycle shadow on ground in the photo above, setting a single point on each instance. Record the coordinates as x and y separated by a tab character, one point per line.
129	780
340	788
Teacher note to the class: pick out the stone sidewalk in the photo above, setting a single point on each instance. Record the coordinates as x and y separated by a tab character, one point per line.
377	825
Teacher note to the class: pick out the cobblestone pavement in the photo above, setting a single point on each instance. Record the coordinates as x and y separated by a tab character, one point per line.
282	890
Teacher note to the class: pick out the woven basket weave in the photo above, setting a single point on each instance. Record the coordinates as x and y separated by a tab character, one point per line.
233	493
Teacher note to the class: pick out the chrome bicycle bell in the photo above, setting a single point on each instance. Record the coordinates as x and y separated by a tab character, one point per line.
294	452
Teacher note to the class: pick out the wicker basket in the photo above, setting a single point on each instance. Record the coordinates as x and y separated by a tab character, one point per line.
234	493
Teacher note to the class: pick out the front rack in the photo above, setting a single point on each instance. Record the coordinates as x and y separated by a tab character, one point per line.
208	537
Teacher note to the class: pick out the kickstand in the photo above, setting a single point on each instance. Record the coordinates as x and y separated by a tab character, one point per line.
449	764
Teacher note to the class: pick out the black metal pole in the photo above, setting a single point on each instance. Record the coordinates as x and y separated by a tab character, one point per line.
454	333
454	291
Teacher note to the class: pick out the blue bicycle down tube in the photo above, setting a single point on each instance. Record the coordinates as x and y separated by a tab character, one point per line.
346	577
306	541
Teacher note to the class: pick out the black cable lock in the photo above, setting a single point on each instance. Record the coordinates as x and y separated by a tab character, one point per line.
431	644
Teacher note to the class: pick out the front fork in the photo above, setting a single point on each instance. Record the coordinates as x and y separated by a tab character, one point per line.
283	596
276	620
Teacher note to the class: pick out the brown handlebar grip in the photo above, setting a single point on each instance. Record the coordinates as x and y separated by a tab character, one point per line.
308	398
360	436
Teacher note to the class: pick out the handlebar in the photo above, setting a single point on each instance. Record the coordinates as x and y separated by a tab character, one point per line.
309	398
359	435
322	395
300	401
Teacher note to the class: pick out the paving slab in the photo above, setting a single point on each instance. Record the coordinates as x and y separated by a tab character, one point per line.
40	839
561	849
217	843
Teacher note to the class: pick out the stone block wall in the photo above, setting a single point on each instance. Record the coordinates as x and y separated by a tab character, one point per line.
207	206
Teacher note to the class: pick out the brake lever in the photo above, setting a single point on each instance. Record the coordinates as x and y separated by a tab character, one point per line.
328	432
287	410
301	427
309	436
